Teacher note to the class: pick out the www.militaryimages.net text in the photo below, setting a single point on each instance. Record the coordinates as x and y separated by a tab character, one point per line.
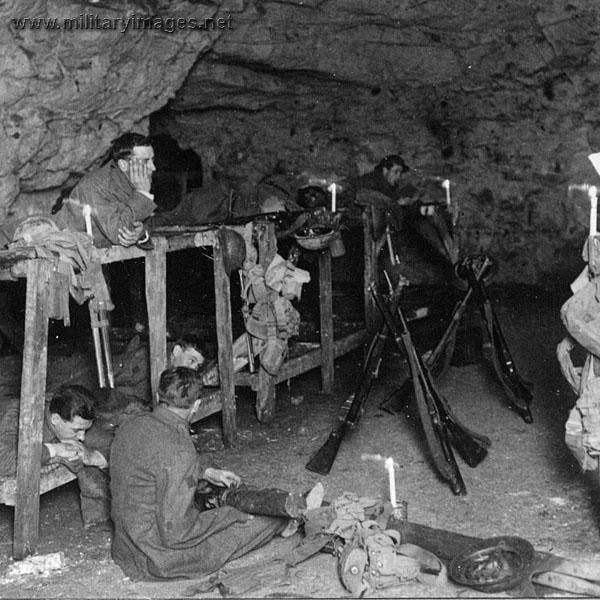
89	21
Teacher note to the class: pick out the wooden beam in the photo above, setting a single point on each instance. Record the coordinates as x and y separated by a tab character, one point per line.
225	346
51	477
31	413
156	302
211	404
370	269
326	322
307	361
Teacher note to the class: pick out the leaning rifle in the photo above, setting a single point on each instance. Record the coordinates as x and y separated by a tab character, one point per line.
441	430
518	391
440	357
438	360
353	408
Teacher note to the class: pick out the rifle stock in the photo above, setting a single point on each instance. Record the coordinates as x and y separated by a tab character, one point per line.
324	457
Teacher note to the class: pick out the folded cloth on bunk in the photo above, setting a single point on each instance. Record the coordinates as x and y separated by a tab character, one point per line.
77	271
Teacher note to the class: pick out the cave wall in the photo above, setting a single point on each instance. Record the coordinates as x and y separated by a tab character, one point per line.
498	97
66	93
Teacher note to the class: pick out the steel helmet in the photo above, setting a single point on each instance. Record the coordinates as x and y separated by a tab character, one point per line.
234	249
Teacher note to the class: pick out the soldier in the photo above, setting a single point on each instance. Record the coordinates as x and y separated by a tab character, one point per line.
69	416
118	194
155	471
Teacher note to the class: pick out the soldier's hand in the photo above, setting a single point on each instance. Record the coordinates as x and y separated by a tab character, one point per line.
129	236
139	174
69	453
93	458
67	450
222	477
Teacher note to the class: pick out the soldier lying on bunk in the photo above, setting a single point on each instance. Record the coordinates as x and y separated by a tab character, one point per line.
68	418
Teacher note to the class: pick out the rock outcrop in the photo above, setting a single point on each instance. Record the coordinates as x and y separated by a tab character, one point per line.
500	98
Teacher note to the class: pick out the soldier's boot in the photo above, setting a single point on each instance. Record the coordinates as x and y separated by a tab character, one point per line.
271	502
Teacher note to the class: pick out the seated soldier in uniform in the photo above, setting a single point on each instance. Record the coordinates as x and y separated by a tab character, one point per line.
160	533
68	417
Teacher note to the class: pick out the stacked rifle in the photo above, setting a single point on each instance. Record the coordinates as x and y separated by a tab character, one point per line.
443	430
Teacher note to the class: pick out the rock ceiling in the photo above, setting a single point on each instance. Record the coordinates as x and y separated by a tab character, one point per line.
500	97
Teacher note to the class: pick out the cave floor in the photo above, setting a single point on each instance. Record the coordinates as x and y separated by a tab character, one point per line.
529	485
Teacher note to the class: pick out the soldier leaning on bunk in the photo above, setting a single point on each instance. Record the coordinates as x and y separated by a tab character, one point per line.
118	194
386	191
70	438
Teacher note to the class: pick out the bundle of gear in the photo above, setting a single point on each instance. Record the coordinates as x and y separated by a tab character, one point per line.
369	556
581	316
372	557
269	315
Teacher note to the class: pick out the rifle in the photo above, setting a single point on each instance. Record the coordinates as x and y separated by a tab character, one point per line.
518	391
440	427
280	218
470	445
353	407
439	359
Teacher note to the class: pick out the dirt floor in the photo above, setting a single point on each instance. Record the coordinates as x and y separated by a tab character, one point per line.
528	486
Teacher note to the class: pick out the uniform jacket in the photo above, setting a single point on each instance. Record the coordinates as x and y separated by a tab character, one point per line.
114	201
159	533
9	440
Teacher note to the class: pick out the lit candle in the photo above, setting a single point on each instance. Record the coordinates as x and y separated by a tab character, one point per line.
333	189
593	195
446	186
87	217
595	160
389	465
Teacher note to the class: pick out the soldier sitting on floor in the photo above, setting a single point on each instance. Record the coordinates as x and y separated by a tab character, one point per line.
155	471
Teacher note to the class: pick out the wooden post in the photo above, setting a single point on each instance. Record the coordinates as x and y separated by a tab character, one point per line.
370	270
135	276
156	301
225	345
265	393
326	318
31	415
